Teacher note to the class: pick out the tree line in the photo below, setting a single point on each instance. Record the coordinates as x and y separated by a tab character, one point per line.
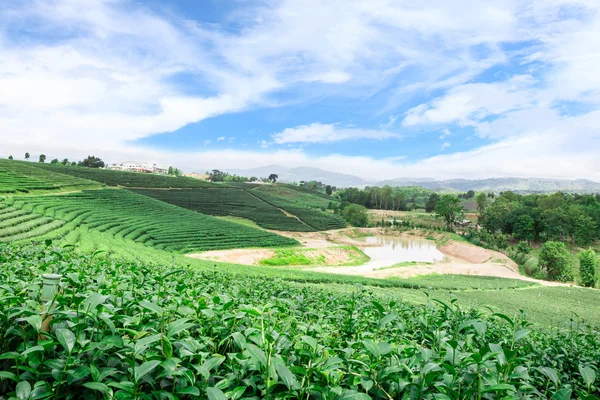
543	217
385	198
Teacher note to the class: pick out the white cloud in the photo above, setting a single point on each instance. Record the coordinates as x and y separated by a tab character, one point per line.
445	145
207	142
445	133
263	144
328	133
111	78
220	138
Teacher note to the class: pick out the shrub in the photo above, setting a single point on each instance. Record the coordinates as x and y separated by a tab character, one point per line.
587	268
523	248
554	258
532	269
356	215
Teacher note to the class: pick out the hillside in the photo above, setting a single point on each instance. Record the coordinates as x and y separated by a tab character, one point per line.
144	220
24	177
124	178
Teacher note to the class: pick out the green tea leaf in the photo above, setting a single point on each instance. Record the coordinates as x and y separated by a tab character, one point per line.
23	390
66	338
562	394
588	375
286	376
144	369
152	306
215	394
35	321
257	354
98	386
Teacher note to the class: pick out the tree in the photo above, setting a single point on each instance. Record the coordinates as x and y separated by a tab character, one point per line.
74	164
92	162
42	158
449	208
170	171
273	178
65	161
432	202
585	230
588	268
470	194
215	175
554	258
482	203
10	157
356	215
27	156
54	161
328	190
524	227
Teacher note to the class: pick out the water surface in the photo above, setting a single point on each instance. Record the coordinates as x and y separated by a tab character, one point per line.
391	250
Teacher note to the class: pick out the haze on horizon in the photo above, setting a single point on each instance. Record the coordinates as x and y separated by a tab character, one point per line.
377	89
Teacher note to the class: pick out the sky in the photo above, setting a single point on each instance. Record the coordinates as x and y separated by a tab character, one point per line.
379	88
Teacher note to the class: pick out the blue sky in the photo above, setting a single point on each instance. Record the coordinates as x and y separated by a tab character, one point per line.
378	88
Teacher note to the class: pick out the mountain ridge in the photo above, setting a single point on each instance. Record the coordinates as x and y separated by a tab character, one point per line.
520	185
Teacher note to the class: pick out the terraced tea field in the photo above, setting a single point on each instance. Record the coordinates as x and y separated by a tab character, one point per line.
314	217
224	201
127	179
23	177
146	220
297	194
17	224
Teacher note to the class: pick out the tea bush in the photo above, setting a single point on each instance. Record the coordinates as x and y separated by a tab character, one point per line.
122	330
226	201
147	221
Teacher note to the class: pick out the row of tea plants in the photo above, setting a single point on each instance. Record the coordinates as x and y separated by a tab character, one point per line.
122	330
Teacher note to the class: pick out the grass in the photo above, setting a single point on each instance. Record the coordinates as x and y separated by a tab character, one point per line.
310	257
469	282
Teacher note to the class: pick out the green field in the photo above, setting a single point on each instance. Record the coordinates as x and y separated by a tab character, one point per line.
146	220
135	318
126	179
224	201
127	330
297	195
319	220
17	224
24	177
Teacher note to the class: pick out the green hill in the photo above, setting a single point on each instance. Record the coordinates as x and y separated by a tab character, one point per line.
24	177
146	220
126	179
233	202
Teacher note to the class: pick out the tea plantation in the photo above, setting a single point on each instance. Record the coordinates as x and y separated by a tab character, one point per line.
124	178
144	220
128	331
225	201
313	217
23	177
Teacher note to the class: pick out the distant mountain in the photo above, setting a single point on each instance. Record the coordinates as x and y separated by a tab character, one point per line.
297	174
520	185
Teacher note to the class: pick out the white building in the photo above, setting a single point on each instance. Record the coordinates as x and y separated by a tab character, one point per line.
136	166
